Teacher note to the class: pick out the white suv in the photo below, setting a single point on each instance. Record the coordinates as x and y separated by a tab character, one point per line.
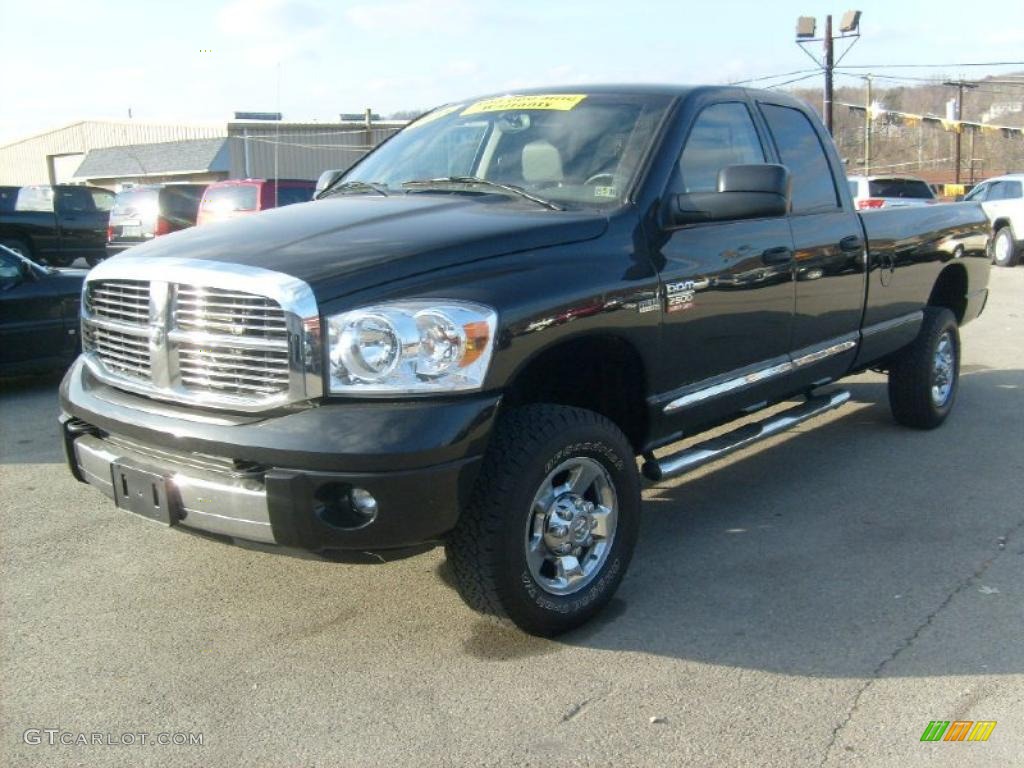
1003	201
873	192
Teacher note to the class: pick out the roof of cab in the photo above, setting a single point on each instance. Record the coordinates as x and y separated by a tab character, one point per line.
641	89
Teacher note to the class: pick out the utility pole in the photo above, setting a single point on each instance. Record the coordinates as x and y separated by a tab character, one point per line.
867	128
849	27
959	85
829	65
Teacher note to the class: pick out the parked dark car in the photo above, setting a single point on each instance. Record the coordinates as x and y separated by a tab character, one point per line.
144	212
225	200
55	224
472	334
39	314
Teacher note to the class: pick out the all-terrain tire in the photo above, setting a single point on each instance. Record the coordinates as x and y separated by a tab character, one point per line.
924	379
489	550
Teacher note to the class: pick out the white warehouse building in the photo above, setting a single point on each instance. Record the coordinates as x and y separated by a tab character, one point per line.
110	153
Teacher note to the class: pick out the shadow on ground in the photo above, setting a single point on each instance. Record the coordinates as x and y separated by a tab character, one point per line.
830	550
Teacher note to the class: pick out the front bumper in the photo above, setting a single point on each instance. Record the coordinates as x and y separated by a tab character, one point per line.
285	479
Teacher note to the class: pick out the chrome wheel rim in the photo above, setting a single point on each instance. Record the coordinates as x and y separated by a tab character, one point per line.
1002	247
571	526
943	369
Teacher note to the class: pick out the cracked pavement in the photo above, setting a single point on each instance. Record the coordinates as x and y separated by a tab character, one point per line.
815	600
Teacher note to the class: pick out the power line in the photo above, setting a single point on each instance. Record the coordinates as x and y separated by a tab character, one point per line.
938	66
795	80
772	77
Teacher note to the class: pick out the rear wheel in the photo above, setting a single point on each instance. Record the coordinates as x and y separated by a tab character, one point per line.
553	520
1004	250
94	258
924	379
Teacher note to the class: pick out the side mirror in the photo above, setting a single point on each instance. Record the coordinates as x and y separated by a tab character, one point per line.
326	179
744	192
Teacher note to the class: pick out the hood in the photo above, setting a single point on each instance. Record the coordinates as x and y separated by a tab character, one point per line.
344	244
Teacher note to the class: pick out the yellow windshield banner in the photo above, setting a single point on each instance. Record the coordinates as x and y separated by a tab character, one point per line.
562	102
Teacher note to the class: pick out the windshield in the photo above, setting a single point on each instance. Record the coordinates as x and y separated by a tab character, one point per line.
572	149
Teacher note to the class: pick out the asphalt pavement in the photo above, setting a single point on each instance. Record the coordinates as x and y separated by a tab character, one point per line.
815	600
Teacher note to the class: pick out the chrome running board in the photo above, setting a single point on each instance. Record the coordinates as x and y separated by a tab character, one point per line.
698	455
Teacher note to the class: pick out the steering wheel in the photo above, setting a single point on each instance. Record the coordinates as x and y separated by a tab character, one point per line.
598	176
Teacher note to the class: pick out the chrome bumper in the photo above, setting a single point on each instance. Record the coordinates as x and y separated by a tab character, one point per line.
209	501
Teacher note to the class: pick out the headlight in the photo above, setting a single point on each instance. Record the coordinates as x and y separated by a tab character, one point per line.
410	347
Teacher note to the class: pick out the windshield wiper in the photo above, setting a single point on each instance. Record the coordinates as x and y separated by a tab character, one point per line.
356	186
511	189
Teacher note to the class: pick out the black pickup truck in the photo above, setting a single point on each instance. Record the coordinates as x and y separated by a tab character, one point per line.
474	333
56	224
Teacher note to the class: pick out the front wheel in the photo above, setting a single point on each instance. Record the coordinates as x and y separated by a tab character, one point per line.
1004	250
552	522
924	379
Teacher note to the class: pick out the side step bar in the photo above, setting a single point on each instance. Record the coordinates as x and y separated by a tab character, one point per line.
717	447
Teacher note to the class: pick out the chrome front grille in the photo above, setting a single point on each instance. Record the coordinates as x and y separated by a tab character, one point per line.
212	310
208	342
125	301
242	372
123	353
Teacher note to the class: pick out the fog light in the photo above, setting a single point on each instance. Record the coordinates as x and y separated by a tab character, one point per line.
363	502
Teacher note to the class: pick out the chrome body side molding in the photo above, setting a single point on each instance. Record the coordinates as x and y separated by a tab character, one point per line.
708	390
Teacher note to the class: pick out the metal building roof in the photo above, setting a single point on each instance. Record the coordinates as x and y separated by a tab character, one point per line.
189	156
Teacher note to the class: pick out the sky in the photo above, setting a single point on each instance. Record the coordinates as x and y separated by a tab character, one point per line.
200	60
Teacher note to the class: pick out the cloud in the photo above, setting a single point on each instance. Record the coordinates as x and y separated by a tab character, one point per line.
271	19
270	31
405	15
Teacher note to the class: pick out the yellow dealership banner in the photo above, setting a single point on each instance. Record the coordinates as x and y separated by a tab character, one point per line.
561	102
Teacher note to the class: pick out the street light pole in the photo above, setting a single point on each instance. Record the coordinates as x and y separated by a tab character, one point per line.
849	27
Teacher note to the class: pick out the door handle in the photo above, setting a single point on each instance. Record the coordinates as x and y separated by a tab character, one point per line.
780	255
851	243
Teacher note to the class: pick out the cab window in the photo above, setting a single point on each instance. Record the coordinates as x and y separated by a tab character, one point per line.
722	135
979	193
801	151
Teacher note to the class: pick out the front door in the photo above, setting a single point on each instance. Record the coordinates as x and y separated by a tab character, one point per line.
727	286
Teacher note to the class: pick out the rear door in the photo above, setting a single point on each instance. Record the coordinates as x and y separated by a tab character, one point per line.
727	286
829	265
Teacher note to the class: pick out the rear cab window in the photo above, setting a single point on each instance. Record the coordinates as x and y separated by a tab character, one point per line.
901	188
135	203
800	149
233	197
180	202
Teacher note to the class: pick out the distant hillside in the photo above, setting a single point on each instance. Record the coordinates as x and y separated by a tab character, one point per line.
927	149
